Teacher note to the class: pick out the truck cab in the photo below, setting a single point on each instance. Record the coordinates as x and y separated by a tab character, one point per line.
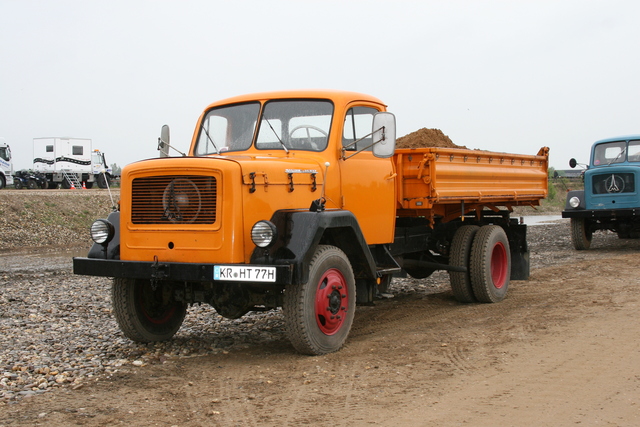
6	165
610	199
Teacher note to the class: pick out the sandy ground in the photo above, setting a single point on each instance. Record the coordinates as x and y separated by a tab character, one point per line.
561	349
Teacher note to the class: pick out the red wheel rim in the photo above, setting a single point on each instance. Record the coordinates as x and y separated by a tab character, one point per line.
154	311
332	300
499	265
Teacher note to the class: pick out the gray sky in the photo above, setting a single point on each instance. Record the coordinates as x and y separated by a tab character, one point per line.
508	76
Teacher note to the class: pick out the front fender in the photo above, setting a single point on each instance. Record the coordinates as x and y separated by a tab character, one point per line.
113	248
300	232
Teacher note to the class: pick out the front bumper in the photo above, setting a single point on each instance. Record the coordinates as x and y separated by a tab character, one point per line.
601	213
173	271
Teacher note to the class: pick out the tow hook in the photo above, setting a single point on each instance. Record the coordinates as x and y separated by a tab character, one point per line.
158	272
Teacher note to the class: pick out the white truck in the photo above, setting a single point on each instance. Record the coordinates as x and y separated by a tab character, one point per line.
6	165
70	163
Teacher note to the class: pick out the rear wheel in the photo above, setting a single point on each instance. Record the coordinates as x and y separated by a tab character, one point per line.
319	313
581	234
146	313
32	184
18	184
3	183
459	257
490	264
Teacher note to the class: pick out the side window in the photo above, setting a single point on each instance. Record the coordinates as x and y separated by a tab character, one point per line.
357	125
77	150
49	148
4	154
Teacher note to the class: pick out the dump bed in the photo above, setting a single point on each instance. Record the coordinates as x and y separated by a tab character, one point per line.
435	178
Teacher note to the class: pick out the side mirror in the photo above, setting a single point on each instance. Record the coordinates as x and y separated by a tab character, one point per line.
573	163
163	141
384	134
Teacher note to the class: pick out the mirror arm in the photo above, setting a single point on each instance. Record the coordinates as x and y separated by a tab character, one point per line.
161	145
344	149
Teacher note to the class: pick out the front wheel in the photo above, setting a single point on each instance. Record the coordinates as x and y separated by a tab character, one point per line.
103	181
319	313
490	264
581	234
146	313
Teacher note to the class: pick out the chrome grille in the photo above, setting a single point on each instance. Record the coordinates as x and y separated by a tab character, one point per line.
173	199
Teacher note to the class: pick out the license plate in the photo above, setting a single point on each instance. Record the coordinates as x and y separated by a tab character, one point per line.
238	273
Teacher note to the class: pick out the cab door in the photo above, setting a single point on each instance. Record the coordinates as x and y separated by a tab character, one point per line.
368	182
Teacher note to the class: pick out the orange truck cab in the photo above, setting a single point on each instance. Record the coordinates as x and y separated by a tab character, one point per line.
299	200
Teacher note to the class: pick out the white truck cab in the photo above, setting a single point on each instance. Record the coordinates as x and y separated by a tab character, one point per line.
6	165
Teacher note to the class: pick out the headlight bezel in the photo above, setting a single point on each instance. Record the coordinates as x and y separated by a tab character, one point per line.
264	234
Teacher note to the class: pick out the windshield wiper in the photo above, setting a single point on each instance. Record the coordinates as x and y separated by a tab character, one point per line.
210	139
618	156
275	133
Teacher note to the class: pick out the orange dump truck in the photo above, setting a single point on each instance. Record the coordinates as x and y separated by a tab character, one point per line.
300	200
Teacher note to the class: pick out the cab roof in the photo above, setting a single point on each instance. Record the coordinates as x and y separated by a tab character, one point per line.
337	96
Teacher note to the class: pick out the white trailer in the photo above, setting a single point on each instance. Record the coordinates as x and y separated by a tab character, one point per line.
70	162
6	165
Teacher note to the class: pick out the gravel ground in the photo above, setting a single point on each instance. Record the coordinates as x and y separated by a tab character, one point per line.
56	329
50	218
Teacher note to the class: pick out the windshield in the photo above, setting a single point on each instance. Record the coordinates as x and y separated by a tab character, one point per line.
616	152
229	128
610	152
296	125
284	125
633	153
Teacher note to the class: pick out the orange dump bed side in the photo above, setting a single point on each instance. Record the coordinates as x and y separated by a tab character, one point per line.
432	178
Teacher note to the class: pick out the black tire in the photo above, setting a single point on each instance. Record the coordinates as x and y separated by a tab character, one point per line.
143	313
459	256
65	184
319	314
32	184
89	185
18	184
490	264
3	183
581	234
103	181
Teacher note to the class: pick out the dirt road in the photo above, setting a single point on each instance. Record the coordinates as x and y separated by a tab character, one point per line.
561	349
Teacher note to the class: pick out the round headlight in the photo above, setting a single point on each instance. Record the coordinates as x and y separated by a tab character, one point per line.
102	231
574	202
263	234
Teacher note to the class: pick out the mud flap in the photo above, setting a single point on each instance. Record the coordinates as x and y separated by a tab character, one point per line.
519	265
